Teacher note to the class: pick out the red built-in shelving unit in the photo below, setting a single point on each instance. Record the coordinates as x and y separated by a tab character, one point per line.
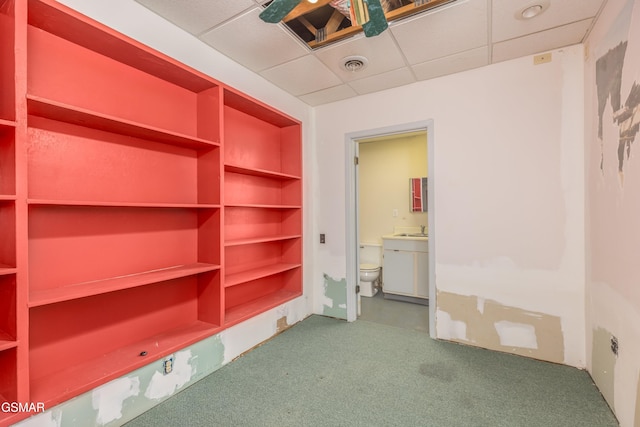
144	206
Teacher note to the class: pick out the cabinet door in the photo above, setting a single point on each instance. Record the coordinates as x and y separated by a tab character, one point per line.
422	277
398	272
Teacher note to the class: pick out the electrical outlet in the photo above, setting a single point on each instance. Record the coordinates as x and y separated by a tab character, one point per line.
167	365
614	345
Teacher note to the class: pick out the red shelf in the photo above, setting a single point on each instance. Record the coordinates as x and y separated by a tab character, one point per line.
81	290
76	379
259	206
88	203
260	239
113	183
6	341
59	111
7	123
259	172
246	311
257	273
7	269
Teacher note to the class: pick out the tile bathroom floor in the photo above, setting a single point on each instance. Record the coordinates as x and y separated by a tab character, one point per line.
406	315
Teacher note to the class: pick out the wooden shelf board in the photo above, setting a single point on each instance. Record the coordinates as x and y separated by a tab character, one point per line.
251	205
7	269
7	123
245	311
7	341
7	197
260	239
259	172
248	105
257	273
81	290
71	25
77	379
96	203
59	111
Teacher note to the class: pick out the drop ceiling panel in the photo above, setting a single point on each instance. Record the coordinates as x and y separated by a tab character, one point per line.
381	52
508	23
388	80
540	42
454	28
303	75
451	38
196	16
253	43
326	96
452	64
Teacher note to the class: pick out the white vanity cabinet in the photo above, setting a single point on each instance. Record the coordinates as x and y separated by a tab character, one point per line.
405	268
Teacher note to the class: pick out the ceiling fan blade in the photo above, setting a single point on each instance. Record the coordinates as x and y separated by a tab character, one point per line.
277	10
377	21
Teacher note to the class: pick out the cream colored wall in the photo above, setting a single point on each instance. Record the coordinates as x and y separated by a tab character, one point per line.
385	167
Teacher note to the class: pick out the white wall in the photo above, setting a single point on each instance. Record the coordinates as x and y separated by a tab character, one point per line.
509	199
613	228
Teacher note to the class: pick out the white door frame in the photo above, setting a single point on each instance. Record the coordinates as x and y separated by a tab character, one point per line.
352	229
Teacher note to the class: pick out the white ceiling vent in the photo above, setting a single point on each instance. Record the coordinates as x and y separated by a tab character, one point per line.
354	63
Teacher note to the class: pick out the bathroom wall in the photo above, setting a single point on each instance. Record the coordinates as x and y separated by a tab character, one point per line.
612	99
508	178
385	166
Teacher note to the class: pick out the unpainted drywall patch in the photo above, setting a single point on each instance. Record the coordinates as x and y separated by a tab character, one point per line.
603	363
109	399
492	325
335	301
455	329
516	334
164	385
282	324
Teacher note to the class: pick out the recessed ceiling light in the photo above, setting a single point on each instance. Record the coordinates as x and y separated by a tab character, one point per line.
532	11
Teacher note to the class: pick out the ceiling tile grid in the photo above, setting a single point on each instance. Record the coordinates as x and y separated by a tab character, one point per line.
254	44
454	37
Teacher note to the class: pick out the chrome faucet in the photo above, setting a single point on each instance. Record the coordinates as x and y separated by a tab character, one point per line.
422	227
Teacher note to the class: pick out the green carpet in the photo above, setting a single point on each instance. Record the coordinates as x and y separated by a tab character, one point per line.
327	372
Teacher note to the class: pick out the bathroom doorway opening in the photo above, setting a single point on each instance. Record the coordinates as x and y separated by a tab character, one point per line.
395	218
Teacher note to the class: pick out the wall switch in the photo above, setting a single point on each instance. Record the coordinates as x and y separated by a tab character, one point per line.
395	213
322	238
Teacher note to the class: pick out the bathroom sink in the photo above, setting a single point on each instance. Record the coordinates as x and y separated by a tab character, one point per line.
411	235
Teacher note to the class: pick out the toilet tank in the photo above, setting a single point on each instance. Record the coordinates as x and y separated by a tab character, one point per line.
371	253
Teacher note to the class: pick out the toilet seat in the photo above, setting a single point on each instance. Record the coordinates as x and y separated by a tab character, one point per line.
369	267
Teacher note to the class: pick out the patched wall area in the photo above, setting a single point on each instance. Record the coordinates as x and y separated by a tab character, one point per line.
488	324
612	134
334	301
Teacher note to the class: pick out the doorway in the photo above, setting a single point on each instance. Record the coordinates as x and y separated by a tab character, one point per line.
352	143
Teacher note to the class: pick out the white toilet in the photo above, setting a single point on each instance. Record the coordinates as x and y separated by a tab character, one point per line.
370	262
